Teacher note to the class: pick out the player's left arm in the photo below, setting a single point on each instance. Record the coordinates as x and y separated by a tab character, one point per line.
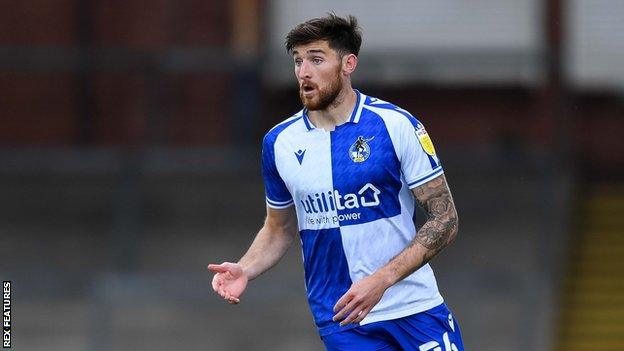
439	231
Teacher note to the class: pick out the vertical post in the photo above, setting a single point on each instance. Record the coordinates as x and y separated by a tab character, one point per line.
554	98
555	169
83	75
245	44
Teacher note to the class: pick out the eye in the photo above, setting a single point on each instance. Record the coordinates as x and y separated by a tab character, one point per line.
317	60
298	62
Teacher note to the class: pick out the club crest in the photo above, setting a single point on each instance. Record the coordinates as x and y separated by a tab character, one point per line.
360	150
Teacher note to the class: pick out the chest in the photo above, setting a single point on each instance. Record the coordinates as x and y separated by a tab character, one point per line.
350	160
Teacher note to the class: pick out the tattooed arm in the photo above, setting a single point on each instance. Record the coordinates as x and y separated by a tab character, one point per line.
438	231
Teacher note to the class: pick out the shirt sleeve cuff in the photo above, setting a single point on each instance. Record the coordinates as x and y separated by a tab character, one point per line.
422	179
279	204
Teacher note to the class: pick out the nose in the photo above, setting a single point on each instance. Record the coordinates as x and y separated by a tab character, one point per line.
303	71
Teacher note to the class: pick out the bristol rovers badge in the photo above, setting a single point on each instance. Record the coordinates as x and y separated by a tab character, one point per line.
360	150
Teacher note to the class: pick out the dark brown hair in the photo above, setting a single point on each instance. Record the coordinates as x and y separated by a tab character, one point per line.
342	34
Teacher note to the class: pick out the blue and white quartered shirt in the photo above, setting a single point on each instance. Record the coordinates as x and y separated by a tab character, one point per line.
351	190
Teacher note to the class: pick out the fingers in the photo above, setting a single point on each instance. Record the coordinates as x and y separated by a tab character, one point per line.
230	298
220	289
233	300
362	314
352	316
354	308
216	282
344	310
357	313
344	299
348	305
226	274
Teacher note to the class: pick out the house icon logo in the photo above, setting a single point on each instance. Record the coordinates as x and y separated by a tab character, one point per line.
368	187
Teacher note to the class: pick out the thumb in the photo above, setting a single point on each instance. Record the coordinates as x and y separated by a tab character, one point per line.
218	268
234	269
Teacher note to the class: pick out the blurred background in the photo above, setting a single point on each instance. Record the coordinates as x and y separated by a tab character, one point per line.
129	159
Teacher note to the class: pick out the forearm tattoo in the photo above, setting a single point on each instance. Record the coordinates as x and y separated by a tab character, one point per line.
440	228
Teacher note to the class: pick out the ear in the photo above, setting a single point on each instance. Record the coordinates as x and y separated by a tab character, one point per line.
349	62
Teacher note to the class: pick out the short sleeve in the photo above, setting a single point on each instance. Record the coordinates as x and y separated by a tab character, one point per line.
419	161
276	192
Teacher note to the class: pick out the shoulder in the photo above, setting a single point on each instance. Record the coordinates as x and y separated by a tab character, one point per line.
278	129
392	115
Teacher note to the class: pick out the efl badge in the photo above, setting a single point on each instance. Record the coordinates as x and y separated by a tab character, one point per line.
360	150
424	139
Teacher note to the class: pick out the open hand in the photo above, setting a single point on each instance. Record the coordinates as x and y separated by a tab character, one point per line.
229	281
359	300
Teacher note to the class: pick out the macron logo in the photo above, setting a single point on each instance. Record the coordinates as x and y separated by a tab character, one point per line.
300	153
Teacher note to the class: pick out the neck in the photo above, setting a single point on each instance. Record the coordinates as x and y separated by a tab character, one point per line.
338	112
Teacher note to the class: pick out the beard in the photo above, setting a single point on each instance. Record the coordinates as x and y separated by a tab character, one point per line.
325	96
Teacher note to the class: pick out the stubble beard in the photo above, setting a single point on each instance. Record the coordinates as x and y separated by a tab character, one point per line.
325	97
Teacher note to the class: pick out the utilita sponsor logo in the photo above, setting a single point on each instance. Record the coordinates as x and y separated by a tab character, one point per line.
367	196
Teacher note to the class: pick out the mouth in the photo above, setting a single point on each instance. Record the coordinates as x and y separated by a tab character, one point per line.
307	89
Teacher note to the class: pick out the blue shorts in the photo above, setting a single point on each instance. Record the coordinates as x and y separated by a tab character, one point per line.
431	330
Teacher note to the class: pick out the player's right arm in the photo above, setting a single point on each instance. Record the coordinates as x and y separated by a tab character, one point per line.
270	244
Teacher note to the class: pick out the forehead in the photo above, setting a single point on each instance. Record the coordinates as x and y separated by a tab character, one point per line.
318	46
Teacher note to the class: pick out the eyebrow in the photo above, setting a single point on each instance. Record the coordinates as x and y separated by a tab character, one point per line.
311	51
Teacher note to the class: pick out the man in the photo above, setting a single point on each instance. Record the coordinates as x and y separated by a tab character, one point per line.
345	172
